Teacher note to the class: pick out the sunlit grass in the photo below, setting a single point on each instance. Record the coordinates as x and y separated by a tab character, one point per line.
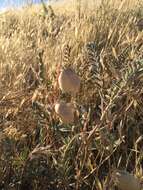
61	131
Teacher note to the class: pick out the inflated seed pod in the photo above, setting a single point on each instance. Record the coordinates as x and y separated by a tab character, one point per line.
125	180
69	81
65	111
140	24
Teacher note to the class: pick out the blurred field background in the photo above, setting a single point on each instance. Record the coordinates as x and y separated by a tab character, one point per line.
103	43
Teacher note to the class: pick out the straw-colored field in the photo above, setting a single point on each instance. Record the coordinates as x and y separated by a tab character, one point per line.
71	96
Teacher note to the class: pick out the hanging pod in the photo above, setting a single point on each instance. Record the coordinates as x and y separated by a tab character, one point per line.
65	111
69	81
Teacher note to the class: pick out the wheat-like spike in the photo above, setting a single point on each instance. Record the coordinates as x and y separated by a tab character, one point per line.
138	76
48	11
123	55
92	65
41	66
44	7
133	72
31	78
66	55
116	63
90	49
51	12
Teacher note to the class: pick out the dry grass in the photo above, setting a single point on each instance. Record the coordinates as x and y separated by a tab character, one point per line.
106	51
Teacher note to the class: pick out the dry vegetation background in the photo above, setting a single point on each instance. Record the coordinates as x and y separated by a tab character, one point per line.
103	43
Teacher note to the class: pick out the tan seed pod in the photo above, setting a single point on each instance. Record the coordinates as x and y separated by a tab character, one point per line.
69	81
125	180
140	24
65	112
